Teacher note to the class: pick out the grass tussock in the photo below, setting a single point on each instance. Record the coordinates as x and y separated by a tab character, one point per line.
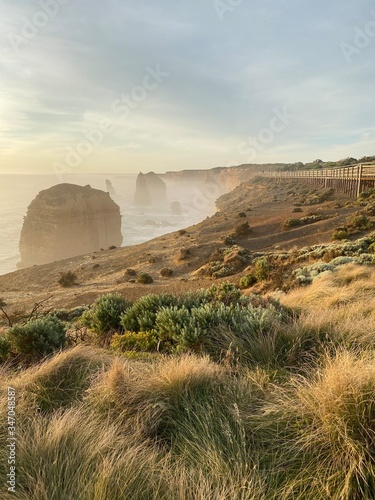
327	429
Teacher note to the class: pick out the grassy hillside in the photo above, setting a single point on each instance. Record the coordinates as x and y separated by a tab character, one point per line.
246	373
271	400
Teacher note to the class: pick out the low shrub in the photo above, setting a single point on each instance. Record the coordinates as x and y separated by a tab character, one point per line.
229	241
104	317
70	315
141	316
242	229
289	223
38	337
263	269
67	279
135	341
166	272
4	348
340	234
359	222
145	279
248	281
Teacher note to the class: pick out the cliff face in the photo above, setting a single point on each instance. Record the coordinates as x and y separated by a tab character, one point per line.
225	178
149	189
68	220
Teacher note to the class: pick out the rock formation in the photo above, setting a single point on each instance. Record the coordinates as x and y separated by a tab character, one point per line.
176	208
68	220
149	189
110	188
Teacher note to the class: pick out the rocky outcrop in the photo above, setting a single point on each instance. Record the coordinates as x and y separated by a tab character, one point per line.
176	208
149	189
110	188
68	220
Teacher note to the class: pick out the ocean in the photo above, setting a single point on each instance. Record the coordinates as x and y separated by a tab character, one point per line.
139	224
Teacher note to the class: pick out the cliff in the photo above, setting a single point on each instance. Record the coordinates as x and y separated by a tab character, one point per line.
149	189
225	178
68	220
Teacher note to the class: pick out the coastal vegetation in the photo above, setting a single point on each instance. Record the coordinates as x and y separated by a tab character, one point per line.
208	394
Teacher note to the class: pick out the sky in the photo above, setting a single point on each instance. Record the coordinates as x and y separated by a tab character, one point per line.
137	85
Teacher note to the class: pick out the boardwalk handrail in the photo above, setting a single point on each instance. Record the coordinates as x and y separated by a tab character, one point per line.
352	179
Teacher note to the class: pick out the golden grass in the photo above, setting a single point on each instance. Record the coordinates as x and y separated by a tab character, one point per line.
349	284
330	428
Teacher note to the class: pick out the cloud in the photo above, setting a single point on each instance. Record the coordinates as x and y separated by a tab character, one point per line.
226	78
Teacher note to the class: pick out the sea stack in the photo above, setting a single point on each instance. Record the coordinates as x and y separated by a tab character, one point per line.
68	220
150	189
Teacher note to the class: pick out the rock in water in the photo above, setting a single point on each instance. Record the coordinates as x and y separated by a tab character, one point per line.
68	220
176	208
110	188
149	189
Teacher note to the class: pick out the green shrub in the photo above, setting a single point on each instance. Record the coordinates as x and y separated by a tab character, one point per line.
289	223
340	234
263	269
38	337
104	317
229	241
226	292
359	221
145	279
70	315
310	219
68	279
141	316
217	328
135	341
4	348
248	281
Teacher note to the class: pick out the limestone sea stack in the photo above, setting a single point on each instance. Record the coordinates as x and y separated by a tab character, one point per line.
150	188
68	220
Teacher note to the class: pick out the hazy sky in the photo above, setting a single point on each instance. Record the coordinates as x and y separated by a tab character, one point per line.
171	84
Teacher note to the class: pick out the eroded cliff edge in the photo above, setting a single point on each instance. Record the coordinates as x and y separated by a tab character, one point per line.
67	220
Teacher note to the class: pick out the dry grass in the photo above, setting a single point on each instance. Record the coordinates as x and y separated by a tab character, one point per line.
329	435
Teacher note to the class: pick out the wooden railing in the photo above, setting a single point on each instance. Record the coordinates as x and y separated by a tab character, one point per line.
353	179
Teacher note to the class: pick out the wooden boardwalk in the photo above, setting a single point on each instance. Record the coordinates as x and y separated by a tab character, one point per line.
353	179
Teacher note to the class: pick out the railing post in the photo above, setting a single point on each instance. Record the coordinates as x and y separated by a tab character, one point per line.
359	179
